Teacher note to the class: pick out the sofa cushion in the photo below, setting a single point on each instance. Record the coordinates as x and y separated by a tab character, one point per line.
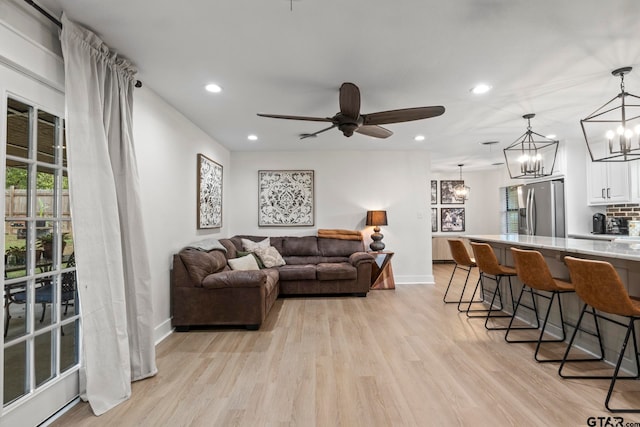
247	262
200	264
300	260
300	246
336	271
338	247
297	272
251	246
270	257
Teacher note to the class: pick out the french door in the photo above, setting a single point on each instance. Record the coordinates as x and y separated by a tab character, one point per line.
41	323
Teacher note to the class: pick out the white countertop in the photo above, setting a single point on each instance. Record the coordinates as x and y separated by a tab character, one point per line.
628	249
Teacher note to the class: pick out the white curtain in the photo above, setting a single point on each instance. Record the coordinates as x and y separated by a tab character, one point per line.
110	248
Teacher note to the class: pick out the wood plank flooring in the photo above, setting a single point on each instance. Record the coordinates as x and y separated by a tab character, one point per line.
396	358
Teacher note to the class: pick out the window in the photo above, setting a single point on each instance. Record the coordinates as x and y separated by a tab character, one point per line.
41	330
509	209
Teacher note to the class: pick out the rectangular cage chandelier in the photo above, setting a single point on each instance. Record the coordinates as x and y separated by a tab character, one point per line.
531	155
612	132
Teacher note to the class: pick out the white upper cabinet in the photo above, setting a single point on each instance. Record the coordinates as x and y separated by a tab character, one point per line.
611	183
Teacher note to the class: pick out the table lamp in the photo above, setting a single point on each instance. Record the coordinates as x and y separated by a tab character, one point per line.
376	218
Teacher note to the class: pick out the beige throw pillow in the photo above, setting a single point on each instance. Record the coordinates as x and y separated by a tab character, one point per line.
247	262
251	246
270	257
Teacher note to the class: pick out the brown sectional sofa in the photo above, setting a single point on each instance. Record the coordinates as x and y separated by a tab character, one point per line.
205	291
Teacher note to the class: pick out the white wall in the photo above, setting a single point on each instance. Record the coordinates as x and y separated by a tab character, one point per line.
167	145
345	188
482	210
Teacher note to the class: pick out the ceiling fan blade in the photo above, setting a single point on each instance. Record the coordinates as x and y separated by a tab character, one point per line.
313	135
311	119
402	115
350	100
374	131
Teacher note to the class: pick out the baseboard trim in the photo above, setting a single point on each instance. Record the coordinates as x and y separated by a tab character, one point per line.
162	331
415	280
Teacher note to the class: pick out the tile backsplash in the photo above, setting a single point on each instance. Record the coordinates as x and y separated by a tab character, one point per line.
630	211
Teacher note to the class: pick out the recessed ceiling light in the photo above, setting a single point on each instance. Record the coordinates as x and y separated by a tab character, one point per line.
551	136
252	137
480	88
419	138
214	88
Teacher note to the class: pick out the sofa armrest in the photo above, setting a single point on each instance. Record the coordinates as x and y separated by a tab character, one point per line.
358	258
235	279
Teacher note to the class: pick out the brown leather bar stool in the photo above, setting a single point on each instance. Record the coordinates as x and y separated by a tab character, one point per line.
535	276
491	269
597	283
462	262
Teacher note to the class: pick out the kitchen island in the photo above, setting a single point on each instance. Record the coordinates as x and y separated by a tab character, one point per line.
623	254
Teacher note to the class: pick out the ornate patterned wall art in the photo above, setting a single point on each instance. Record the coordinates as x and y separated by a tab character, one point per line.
209	193
285	198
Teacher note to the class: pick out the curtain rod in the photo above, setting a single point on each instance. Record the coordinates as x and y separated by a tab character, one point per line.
58	23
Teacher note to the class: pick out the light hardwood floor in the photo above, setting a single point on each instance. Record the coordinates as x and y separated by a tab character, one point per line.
396	358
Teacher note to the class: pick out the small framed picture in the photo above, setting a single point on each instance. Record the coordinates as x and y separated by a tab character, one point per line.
434	219
447	196
452	219
434	192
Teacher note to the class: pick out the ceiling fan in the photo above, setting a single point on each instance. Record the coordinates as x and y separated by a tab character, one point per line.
349	119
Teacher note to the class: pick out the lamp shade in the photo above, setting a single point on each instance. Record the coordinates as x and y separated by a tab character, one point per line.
376	217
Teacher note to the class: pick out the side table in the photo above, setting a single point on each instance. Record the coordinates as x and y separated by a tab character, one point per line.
381	271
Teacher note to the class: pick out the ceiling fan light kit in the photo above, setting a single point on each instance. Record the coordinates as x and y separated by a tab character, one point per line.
349	119
531	155
612	132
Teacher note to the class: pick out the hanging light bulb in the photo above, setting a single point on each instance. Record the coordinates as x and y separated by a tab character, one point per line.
461	191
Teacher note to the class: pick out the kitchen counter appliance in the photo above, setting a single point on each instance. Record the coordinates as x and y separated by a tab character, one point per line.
599	224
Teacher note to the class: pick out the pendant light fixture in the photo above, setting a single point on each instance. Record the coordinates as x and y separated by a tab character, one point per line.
531	155
612	132
461	191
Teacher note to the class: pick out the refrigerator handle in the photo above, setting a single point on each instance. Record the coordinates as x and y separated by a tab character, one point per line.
533	212
528	212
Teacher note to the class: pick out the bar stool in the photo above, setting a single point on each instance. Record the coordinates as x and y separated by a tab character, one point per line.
463	262
535	276
597	283
490	268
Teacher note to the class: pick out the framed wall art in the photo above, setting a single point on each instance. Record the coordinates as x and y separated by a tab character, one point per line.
434	219
285	198
434	192
451	219
446	193
209	193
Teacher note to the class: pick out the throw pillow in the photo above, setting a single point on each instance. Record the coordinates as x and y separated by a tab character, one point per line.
251	246
270	257
245	253
247	262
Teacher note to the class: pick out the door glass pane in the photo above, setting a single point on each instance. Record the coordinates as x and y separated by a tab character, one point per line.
45	298
15	372
69	345
18	129
15	324
43	349
47	124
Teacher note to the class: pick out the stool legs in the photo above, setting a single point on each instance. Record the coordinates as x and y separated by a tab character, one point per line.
490	313
630	334
460	300
554	295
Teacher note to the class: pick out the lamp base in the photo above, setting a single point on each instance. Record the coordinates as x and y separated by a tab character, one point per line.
377	244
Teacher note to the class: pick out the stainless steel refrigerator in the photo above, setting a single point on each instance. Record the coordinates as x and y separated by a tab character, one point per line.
541	209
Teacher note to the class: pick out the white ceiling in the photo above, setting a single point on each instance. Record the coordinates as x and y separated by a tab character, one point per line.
549	57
